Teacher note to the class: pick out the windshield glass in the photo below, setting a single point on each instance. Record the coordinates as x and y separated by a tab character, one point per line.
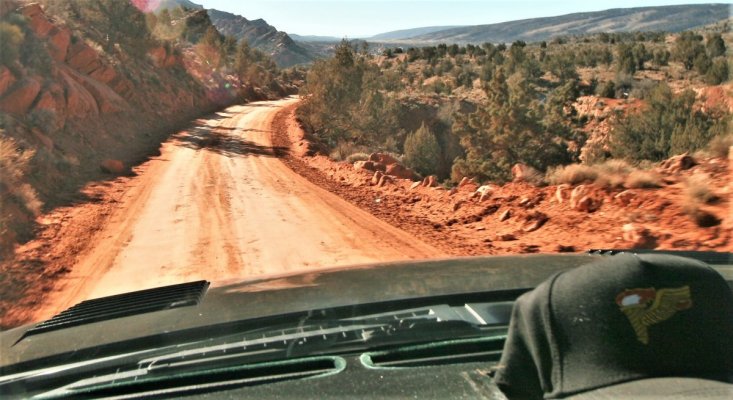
286	157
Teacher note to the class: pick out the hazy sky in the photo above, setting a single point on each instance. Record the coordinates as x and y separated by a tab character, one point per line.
364	18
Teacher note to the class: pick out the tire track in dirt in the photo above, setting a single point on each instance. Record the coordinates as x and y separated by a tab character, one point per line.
219	204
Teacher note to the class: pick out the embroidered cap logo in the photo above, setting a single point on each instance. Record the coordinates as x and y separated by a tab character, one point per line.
646	307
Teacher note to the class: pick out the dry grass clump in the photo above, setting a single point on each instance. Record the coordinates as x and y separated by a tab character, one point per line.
643	180
608	174
18	200
697	193
613	173
698	190
572	174
720	146
357	157
345	149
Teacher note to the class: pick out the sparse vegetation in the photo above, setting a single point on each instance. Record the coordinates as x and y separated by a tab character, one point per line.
698	190
11	37
357	157
572	174
523	108
422	150
643	180
18	200
669	124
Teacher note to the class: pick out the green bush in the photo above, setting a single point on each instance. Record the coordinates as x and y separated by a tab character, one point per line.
422	151
717	73
11	37
668	125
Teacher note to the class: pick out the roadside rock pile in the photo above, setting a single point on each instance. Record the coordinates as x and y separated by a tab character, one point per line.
384	165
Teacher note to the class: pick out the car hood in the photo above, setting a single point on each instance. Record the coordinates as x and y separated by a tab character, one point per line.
225	302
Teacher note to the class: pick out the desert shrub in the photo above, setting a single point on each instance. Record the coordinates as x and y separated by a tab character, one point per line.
18	200
510	127
613	173
718	71
643	180
697	189
720	145
357	157
572	174
344	149
11	38
697	193
422	151
669	124
608	89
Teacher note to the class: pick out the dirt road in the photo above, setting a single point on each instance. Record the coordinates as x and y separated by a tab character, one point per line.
218	204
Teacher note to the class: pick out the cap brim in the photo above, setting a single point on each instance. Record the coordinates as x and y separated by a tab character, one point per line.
661	388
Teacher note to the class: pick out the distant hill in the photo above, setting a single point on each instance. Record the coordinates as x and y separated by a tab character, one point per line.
263	36
409	33
663	18
260	35
314	38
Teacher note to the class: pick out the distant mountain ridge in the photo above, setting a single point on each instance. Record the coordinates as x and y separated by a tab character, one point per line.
409	33
261	35
662	18
258	33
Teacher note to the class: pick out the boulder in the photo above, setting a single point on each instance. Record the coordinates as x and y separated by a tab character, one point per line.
565	248
7	79
157	56
415	185
506	237
505	215
46	102
578	193
108	101
365	165
625	198
79	102
638	236
678	163
524	173
377	177
83	58
383	158
399	171
466	181
430	181
535	221
588	204
37	20
20	98
59	40
105	74
385	179
562	193
112	166
483	193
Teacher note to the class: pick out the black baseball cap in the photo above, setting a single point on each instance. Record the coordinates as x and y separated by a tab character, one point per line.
628	326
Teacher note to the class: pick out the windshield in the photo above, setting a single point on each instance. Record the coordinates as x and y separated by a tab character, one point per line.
302	156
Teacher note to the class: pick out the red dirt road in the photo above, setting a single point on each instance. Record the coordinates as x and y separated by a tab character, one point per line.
218	204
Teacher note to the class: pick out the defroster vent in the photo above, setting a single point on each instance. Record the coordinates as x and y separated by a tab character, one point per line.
124	305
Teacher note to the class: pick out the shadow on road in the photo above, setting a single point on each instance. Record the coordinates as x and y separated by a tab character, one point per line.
204	138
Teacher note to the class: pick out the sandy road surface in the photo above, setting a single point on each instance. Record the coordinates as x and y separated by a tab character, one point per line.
218	204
